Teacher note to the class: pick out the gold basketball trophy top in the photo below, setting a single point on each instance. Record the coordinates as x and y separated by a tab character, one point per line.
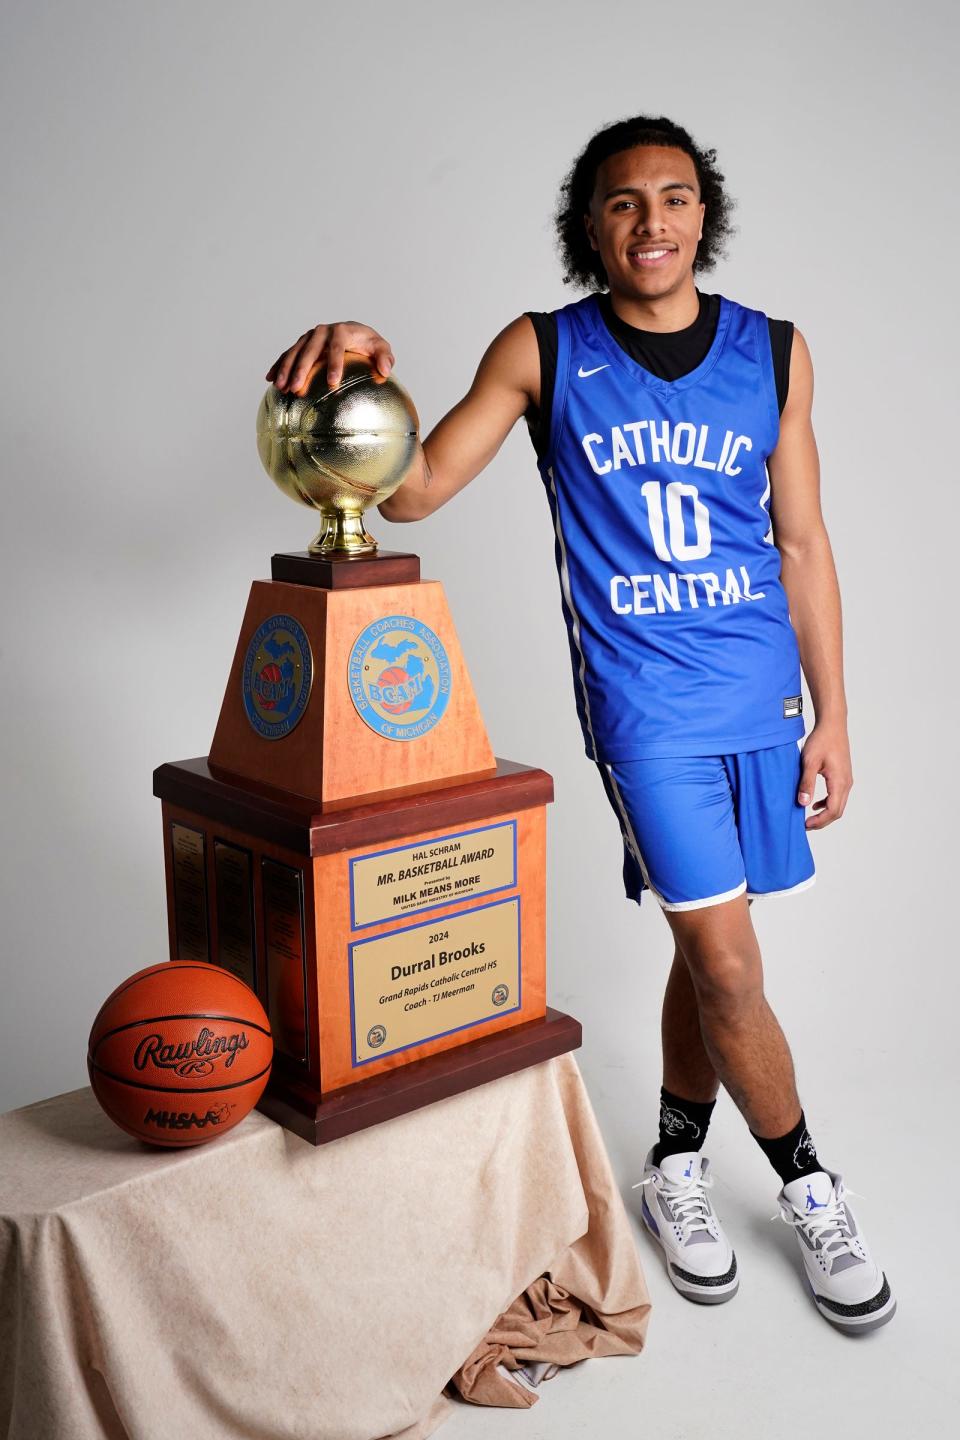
351	847
339	449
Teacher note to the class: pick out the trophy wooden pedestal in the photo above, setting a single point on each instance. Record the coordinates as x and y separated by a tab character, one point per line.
353	850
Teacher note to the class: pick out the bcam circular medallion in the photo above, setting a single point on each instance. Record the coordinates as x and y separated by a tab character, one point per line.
277	675
399	677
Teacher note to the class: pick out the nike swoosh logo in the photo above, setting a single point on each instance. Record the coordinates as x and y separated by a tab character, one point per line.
584	373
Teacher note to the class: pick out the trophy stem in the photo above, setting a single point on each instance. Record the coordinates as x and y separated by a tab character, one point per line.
342	533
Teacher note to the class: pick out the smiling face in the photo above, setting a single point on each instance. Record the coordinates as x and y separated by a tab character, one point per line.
645	220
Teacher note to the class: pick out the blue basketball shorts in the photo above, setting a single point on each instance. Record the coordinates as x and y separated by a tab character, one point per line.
698	830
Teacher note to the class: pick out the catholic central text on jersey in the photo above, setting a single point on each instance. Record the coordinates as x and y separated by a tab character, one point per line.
674	510
681	444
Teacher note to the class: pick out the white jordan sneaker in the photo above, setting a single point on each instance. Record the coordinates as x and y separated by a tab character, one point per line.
848	1287
677	1211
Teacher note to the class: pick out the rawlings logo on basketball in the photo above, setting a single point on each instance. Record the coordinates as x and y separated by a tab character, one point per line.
188	1057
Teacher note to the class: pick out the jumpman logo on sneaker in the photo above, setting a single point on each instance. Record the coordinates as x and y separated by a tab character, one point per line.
814	1204
689	1170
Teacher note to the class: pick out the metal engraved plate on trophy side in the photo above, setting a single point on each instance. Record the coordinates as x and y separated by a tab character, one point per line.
236	915
189	886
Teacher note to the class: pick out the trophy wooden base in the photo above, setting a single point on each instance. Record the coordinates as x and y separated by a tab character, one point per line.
332	754
358	1106
397	944
353	850
346	572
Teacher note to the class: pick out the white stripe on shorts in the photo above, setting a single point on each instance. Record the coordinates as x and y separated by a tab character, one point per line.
790	890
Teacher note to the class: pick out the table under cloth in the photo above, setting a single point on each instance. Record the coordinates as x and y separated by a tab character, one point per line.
260	1288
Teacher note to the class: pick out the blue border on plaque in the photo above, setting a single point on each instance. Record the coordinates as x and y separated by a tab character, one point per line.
425	1039
432	904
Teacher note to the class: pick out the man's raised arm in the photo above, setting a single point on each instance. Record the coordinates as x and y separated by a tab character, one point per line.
468	436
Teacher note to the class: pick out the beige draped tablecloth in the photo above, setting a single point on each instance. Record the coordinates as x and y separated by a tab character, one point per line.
260	1288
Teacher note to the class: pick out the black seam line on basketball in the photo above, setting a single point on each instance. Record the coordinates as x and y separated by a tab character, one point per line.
135	980
157	1019
151	971
179	1089
865	1306
705	1279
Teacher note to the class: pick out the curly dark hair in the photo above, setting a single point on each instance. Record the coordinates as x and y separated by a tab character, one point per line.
581	263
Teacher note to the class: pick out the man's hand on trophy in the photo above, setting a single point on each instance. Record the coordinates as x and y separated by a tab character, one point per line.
329	343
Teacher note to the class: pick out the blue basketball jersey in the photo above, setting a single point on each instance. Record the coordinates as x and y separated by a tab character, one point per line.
679	629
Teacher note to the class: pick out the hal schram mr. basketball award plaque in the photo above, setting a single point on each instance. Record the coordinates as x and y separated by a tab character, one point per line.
351	848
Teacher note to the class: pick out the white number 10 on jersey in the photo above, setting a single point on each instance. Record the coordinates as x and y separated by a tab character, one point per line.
678	548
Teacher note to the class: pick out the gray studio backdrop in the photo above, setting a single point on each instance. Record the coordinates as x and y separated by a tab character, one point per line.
186	187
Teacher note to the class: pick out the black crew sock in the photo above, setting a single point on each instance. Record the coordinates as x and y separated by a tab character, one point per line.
791	1155
683	1124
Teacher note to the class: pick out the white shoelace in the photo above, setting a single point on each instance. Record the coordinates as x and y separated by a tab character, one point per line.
687	1201
820	1222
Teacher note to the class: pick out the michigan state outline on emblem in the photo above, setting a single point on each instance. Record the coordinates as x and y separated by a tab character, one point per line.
277	676
399	677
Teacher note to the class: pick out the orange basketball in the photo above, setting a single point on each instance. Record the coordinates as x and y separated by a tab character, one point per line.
180	1053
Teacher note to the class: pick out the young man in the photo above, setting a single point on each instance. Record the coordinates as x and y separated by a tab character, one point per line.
673	435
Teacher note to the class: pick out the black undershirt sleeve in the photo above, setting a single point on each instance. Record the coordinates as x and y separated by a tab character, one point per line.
781	346
538	420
